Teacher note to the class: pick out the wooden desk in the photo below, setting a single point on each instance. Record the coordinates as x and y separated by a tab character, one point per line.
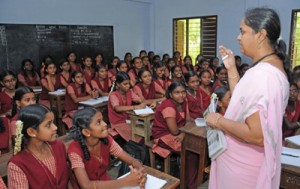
172	182
290	175
100	104
4	158
141	125
194	141
57	100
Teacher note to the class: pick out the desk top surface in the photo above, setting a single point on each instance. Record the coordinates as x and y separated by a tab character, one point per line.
192	129
172	182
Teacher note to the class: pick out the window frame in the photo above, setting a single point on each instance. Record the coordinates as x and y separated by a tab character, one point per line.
291	41
201	33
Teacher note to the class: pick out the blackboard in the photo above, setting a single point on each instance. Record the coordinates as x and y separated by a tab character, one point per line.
22	41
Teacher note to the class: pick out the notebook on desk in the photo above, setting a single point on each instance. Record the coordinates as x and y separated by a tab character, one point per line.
151	183
290	156
92	102
294	139
144	111
58	92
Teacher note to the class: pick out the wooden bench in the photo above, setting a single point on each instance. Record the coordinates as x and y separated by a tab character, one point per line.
141	126
167	160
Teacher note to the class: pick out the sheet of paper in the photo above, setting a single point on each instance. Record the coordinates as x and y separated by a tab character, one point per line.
200	122
290	156
294	139
151	183
143	111
290	151
92	102
289	160
37	90
58	92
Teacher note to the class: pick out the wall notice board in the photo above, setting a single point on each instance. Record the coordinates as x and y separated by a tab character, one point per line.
22	41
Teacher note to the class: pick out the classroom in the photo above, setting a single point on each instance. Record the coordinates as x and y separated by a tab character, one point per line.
187	82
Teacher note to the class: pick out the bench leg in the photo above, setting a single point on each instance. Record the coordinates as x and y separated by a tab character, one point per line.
152	158
167	161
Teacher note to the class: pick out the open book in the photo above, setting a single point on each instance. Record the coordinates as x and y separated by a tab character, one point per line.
151	183
216	140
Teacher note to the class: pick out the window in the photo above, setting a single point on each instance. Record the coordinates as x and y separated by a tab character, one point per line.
295	39
193	36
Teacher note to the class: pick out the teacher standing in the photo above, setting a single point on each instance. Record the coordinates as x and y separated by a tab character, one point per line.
253	121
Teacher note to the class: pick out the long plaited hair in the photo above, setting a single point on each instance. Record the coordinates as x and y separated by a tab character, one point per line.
82	120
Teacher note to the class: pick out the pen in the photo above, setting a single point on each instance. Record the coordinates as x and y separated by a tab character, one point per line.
290	155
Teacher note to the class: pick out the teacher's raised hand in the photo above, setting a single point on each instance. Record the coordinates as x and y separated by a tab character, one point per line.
227	57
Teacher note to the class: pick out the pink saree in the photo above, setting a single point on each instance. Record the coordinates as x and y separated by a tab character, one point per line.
262	89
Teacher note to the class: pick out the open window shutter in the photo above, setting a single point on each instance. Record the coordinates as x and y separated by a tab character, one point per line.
209	36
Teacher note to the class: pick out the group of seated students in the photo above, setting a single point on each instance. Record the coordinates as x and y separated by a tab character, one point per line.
177	89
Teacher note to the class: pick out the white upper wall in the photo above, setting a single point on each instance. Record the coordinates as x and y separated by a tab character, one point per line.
142	24
229	12
130	18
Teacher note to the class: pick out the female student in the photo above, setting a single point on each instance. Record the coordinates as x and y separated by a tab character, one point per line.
159	76
72	60
172	114
292	113
101	83
122	67
187	64
128	59
133	73
2	184
146	89
176	73
39	161
221	78
4	135
90	151
65	74
76	92
112	68
142	53
194	95
46	60
87	69
169	117
223	93
204	65
24	96
205	89
171	63
177	58
8	81
51	82
28	76
99	59
146	62
120	102
214	63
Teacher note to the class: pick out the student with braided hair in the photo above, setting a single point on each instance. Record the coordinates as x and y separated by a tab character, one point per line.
39	161
121	101
90	151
